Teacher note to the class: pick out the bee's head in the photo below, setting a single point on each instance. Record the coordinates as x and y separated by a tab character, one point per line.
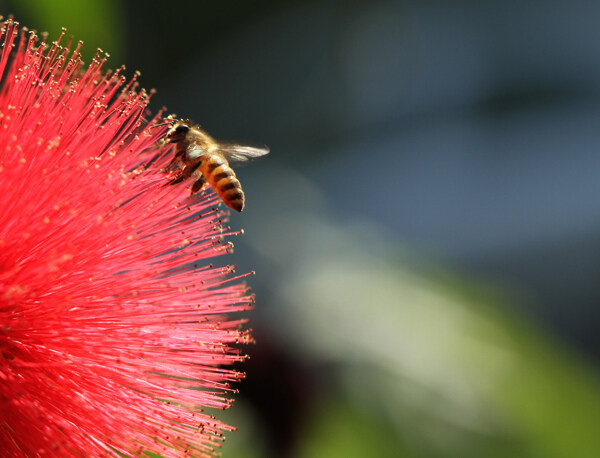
178	132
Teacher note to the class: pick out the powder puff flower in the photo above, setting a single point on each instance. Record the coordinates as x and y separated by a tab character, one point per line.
115	336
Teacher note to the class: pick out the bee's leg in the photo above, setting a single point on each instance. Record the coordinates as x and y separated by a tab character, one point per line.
179	178
198	184
188	170
176	158
175	180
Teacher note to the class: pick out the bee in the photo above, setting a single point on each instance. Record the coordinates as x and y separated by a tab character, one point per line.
207	160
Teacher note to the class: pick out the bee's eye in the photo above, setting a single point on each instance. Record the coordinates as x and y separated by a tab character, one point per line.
182	129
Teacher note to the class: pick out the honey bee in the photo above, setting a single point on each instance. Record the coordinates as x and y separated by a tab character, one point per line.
207	160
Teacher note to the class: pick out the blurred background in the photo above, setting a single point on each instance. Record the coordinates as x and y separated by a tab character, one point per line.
426	229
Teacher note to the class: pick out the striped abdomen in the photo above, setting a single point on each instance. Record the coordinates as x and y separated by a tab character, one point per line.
221	177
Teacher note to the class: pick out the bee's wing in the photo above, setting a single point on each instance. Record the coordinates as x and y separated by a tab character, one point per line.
240	153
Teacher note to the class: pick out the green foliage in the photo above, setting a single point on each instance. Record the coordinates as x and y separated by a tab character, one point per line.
339	430
98	23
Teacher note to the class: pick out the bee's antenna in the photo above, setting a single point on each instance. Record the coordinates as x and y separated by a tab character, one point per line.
161	124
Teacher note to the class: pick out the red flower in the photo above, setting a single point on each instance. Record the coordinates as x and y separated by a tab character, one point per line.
113	330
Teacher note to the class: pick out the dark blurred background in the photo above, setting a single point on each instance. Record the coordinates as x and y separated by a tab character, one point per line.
426	228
